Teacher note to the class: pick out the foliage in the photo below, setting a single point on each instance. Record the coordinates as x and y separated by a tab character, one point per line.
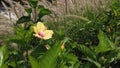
101	55
35	13
88	41
3	57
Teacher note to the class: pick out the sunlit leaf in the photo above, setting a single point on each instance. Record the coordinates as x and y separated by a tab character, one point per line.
104	43
49	59
34	63
3	57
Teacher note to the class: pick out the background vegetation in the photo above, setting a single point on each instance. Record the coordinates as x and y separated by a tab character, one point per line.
90	37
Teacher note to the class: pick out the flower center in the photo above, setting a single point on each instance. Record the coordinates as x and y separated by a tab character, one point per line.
41	34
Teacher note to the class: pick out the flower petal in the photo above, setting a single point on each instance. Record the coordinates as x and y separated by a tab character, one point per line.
48	34
35	29
41	27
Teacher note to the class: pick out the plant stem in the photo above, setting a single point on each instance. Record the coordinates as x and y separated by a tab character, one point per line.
35	14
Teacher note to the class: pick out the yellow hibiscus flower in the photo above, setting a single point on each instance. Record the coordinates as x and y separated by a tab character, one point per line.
41	31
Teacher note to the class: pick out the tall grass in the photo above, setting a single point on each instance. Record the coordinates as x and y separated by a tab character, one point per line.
74	16
77	9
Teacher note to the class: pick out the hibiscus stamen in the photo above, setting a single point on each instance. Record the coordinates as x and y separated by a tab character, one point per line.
41	34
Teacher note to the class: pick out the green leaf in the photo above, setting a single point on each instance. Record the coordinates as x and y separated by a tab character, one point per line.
92	61
33	3
43	11
12	63
110	56
19	37
3	57
118	52
104	43
86	51
23	19
34	63
72	57
86	65
29	11
49	59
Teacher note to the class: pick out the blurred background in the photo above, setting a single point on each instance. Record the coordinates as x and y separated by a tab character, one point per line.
11	10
